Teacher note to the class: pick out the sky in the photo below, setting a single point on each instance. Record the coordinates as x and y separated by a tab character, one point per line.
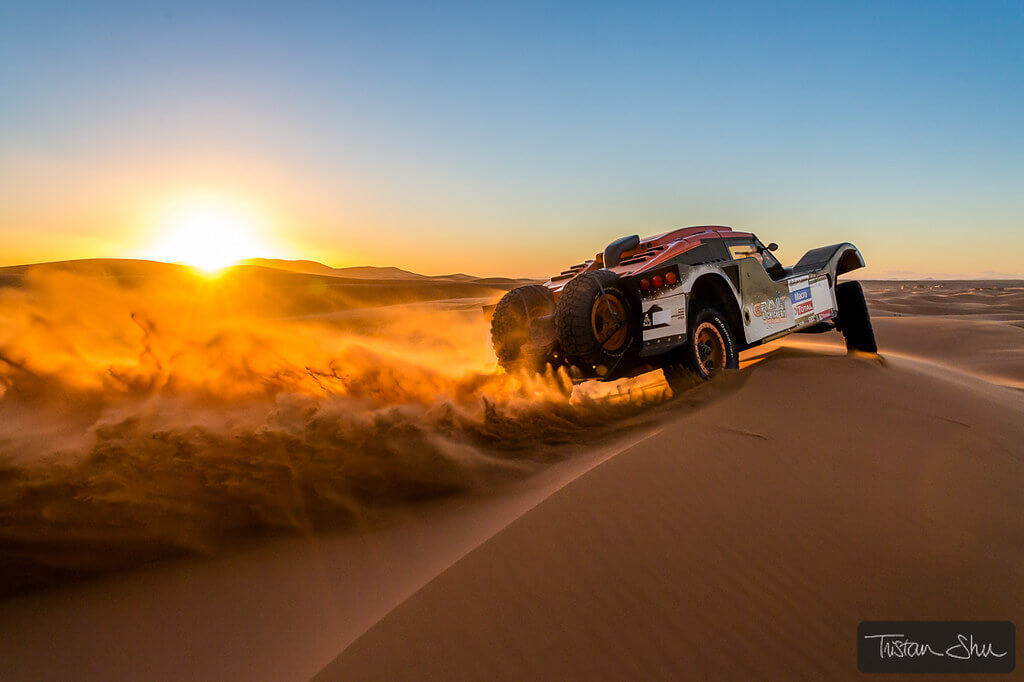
517	138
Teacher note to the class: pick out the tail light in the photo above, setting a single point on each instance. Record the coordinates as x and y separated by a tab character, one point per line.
659	282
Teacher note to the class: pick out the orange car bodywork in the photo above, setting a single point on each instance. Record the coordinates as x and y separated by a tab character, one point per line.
650	253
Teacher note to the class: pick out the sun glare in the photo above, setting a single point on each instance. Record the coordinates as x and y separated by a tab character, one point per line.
210	234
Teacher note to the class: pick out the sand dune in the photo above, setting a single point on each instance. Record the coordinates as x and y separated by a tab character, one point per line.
731	540
989	349
740	530
746	540
277	610
992	299
973	327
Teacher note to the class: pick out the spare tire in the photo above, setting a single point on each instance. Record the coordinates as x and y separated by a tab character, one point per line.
854	320
595	321
521	328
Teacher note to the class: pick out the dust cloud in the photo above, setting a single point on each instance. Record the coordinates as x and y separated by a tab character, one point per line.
167	413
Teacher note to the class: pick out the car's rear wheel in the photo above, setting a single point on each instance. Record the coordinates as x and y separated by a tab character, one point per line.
710	349
522	328
854	320
594	322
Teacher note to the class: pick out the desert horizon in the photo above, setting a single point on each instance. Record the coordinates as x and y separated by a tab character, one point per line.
314	267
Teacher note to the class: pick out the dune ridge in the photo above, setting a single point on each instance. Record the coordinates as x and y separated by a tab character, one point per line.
740	550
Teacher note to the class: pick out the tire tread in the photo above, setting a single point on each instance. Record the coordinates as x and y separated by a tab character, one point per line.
854	318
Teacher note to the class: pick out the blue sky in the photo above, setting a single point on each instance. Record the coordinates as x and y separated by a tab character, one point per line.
515	139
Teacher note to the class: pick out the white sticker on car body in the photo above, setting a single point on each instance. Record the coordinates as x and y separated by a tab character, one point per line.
811	298
821	294
664	316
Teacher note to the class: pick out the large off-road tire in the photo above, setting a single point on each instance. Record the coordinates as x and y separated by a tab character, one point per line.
595	322
854	320
710	348
517	328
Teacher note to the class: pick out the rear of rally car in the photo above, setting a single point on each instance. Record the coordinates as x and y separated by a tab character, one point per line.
617	314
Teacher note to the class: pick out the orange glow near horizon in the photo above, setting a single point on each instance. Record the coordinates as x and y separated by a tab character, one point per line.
210	233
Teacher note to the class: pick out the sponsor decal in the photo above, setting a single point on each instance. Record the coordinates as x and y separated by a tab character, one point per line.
804	308
811	299
665	319
771	311
655	317
800	295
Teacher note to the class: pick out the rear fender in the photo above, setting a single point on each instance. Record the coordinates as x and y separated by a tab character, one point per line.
846	260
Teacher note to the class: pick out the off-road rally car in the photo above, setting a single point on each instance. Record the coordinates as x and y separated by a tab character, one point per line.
687	302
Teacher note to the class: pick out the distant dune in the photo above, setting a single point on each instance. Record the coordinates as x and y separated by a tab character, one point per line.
116	268
315	268
126	267
358	272
969	326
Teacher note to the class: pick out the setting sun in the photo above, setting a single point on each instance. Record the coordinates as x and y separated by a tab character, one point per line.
210	234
